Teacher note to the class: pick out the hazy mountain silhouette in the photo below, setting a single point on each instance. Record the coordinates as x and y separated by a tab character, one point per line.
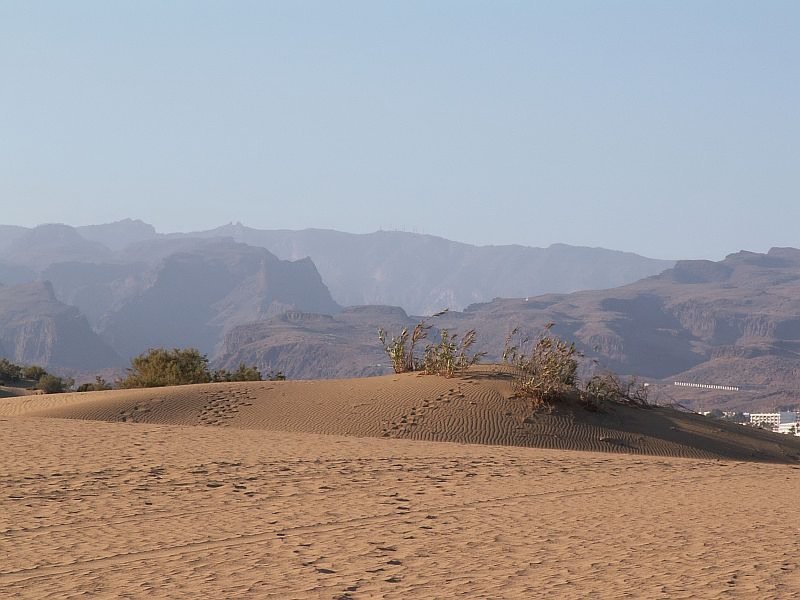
424	273
120	234
12	274
192	298
421	273
154	292
41	246
35	328
9	234
139	288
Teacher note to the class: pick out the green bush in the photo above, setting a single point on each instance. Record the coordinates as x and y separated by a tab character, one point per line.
9	372
33	372
50	384
243	373
44	381
160	367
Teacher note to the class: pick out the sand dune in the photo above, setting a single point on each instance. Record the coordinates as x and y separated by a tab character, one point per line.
473	409
122	494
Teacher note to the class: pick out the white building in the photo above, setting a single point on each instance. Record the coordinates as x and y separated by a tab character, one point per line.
776	420
789	428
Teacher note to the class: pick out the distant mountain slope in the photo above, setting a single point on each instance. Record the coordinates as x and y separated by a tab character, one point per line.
96	288
12	274
421	273
734	323
119	234
35	328
41	246
192	298
9	234
424	274
309	346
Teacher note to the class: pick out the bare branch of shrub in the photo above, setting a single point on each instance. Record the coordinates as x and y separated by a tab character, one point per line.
609	387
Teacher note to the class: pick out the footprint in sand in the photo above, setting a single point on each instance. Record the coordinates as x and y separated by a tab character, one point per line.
221	407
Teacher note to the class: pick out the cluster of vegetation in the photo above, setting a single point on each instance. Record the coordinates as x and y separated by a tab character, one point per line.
34	376
400	349
544	370
98	385
450	356
159	367
245	373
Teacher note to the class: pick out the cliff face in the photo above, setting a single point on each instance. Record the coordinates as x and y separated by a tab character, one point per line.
193	298
35	328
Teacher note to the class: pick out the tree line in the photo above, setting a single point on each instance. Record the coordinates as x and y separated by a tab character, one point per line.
157	367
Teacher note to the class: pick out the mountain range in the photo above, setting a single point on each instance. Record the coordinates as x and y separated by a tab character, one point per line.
714	325
139	289
309	303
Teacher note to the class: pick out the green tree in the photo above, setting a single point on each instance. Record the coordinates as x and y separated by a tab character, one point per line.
9	372
33	372
160	367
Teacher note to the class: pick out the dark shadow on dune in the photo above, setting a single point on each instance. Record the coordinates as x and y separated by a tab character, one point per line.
725	440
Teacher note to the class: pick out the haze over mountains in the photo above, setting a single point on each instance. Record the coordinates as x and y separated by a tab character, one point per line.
421	273
35	328
247	295
424	273
140	289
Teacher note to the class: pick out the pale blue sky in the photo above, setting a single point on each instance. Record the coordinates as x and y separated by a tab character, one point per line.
671	129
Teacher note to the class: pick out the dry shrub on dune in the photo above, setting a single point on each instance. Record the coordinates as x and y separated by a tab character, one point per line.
400	349
545	370
451	355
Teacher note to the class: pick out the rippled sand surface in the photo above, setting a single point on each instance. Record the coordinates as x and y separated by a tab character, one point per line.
264	490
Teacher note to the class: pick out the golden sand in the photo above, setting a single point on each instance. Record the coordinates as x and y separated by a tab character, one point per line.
277	497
